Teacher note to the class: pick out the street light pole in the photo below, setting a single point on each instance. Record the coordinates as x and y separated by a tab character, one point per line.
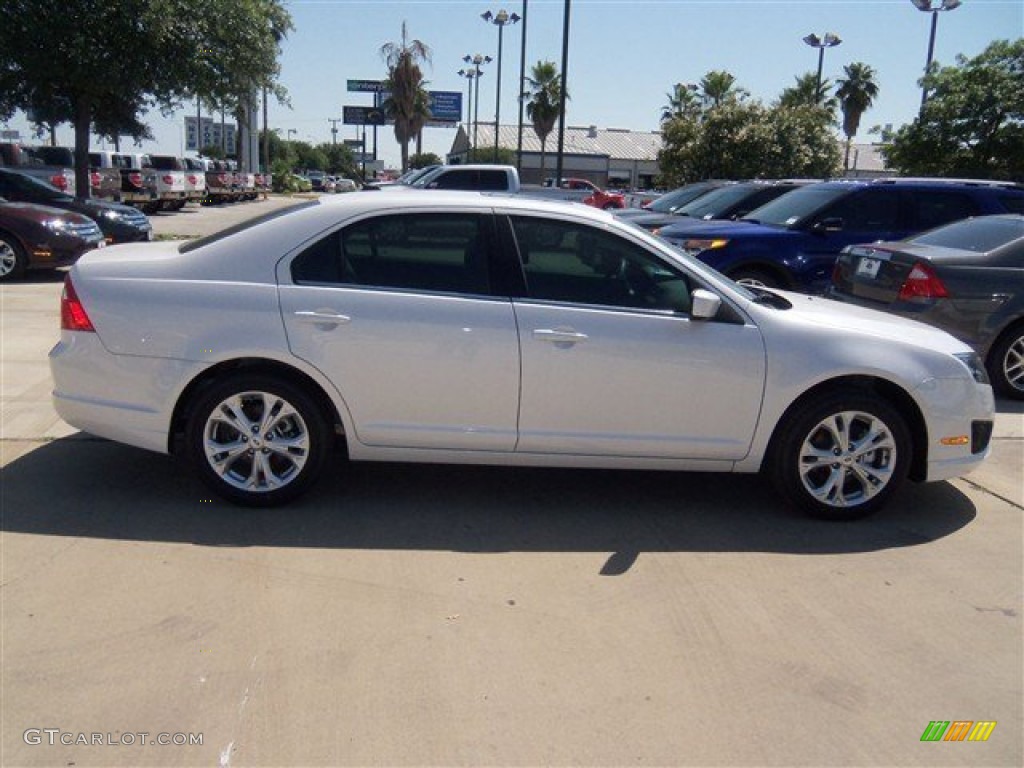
522	89
561	100
500	20
476	60
470	76
830	40
934	7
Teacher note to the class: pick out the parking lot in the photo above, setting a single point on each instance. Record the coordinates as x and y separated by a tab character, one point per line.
442	615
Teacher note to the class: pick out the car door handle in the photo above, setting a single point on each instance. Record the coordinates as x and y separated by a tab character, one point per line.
322	317
559	336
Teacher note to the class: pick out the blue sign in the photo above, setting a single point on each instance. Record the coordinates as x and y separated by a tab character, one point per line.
446	106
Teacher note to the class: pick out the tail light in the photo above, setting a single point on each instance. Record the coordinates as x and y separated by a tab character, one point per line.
222	179
922	283
73	316
192	179
168	179
837	273
94	179
60	181
135	179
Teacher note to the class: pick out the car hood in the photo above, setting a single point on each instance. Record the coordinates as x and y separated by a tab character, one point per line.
97	207
726	230
821	313
41	213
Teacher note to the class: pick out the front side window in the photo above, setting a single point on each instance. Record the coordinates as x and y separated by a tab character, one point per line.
579	264
872	210
437	252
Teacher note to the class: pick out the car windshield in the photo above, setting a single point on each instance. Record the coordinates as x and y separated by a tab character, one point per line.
717	200
28	185
980	235
670	202
792	208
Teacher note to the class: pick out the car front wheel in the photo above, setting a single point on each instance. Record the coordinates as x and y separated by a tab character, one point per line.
843	457
257	440
12	258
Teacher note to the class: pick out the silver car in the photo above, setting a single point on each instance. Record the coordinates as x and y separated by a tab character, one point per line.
466	328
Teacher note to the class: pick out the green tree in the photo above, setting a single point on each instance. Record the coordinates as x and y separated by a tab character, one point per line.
212	151
973	122
544	98
339	160
856	93
407	105
485	156
129	55
308	157
719	87
682	100
423	159
806	93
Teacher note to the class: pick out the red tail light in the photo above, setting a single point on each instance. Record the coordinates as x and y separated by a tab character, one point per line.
168	179
60	182
192	179
94	179
922	283
135	179
73	316
222	179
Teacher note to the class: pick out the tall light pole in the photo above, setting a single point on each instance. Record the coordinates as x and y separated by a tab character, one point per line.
476	60
500	20
470	75
522	92
830	40
564	89
933	7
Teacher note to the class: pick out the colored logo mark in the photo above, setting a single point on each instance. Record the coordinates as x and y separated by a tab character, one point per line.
958	730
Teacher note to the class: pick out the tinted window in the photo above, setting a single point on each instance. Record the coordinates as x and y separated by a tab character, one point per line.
872	210
427	252
978	235
1012	203
934	208
574	263
789	210
677	198
456	180
494	181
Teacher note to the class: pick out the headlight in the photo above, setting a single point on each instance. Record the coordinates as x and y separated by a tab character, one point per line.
109	213
974	365
704	245
56	225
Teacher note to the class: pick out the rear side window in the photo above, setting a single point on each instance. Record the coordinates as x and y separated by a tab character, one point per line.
1012	203
933	208
456	180
446	253
493	181
872	210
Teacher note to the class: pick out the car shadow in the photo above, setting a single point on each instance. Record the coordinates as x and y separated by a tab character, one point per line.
41	276
87	487
1008	405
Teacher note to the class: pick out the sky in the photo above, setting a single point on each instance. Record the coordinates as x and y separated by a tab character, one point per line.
624	56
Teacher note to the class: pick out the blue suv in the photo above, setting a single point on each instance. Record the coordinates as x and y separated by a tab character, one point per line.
793	241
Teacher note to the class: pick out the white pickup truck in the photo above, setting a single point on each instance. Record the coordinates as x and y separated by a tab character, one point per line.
170	178
505	178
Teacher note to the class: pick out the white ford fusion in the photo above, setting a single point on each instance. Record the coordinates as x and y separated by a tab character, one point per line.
467	328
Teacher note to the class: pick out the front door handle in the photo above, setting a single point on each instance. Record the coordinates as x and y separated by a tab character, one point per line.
322	317
559	336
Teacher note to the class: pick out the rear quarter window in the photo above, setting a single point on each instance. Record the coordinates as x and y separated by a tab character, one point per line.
933	208
1012	203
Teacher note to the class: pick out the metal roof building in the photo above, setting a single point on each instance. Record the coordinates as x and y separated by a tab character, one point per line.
609	157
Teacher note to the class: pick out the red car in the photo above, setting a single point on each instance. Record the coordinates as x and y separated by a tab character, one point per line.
586	192
39	237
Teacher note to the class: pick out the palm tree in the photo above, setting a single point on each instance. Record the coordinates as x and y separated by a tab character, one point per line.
806	94
545	95
856	92
717	87
407	105
682	101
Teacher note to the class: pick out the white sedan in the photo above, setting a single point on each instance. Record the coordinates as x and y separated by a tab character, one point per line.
468	328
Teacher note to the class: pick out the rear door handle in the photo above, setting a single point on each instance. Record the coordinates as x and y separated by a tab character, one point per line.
558	336
322	317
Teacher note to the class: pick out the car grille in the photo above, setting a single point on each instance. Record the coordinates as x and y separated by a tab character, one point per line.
90	231
135	218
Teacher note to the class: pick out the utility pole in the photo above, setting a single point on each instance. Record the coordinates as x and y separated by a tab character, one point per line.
334	129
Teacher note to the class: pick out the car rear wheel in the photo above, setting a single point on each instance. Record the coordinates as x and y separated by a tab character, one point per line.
12	258
1006	364
841	457
257	440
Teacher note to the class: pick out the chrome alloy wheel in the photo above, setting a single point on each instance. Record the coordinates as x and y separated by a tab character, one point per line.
8	259
256	441
1013	364
847	459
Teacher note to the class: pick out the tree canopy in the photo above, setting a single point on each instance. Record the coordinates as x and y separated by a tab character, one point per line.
973	122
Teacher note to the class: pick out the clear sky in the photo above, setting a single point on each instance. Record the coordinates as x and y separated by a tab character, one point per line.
624	55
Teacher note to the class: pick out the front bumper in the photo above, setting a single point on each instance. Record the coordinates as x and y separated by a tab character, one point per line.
960	416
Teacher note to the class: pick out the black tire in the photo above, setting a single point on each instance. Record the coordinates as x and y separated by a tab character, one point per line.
756	277
868	474
1006	363
13	261
279	475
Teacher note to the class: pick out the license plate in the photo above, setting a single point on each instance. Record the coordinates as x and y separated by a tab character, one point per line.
868	267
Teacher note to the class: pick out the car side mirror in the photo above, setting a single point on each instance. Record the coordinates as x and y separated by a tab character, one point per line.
705	304
828	225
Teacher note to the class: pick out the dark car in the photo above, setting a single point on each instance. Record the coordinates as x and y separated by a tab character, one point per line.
966	278
793	241
672	201
729	202
37	237
119	223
